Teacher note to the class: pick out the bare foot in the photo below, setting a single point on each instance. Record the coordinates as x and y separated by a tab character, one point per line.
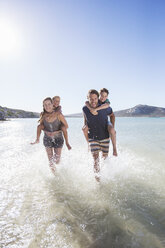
114	152
97	177
69	147
53	169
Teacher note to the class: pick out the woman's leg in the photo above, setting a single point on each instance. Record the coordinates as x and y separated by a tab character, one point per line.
49	151
57	155
65	133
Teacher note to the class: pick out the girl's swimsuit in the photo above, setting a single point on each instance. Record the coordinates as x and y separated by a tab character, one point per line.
55	141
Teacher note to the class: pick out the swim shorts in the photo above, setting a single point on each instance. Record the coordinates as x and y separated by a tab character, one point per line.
99	145
110	124
53	142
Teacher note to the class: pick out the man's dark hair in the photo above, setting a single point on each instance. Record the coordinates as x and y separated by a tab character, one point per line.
104	90
92	91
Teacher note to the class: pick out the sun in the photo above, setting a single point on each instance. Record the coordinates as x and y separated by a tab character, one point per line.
9	39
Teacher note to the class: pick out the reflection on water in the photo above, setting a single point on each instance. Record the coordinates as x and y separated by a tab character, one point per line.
38	209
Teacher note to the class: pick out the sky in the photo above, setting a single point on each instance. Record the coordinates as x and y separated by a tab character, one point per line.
67	47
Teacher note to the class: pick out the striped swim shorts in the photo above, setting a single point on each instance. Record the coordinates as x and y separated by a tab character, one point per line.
99	145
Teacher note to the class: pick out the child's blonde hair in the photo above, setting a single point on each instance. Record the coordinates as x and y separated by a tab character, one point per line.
55	97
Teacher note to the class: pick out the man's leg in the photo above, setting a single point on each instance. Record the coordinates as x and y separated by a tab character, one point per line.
112	134
96	161
104	155
95	149
104	145
96	165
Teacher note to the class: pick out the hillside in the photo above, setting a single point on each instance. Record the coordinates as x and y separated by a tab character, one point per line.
141	111
16	113
137	111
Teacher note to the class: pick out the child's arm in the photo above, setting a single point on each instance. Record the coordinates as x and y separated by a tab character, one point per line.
39	129
103	106
94	111
88	106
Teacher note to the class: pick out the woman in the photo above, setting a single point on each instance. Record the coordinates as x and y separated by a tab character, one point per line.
53	139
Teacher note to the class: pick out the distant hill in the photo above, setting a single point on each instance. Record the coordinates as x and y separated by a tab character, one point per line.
16	113
78	115
137	111
141	111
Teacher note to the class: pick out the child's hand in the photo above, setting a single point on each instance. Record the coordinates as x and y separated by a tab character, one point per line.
35	142
52	134
48	133
94	112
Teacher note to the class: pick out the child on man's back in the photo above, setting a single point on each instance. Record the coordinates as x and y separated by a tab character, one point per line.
104	103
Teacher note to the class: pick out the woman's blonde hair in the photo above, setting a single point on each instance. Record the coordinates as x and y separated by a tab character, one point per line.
44	111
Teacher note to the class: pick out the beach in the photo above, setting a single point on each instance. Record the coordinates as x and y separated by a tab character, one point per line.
71	209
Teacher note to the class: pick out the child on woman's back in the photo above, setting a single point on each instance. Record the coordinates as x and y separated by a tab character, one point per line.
57	108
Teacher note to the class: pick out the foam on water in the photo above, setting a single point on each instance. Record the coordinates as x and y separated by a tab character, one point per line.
70	209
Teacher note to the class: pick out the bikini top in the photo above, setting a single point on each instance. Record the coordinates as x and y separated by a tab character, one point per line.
52	126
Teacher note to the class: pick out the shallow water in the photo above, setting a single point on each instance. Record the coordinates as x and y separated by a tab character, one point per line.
126	209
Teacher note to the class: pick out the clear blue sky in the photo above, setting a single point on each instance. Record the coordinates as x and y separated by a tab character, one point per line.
66	47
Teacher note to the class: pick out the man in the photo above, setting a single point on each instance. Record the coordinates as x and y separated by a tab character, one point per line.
98	135
103	104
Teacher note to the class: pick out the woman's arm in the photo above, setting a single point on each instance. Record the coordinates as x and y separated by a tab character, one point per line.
62	119
39	129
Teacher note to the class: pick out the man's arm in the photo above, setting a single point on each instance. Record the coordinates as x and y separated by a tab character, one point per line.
85	121
112	119
85	128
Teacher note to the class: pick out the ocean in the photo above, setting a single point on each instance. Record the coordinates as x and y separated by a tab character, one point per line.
71	209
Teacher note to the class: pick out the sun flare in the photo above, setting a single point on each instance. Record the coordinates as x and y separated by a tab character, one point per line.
9	39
